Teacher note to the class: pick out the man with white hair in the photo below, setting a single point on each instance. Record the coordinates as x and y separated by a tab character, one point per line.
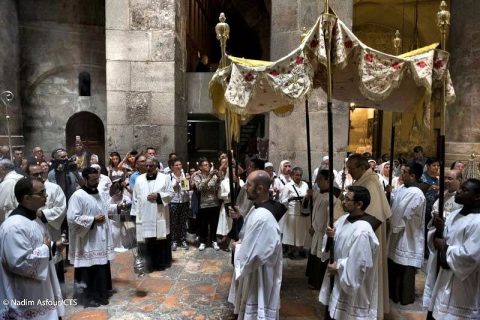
9	178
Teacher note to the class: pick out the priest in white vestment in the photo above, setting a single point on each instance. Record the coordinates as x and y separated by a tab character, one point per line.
360	171
453	180
29	288
91	244
354	294
257	275
407	235
152	193
50	217
295	223
456	294
9	178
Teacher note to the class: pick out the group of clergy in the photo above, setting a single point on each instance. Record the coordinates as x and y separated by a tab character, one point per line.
367	269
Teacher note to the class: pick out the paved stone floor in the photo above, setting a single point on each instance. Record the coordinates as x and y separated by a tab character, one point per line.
196	287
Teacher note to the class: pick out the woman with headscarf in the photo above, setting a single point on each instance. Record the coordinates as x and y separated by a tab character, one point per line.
283	176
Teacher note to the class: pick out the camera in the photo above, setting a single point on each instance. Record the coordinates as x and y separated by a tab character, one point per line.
68	165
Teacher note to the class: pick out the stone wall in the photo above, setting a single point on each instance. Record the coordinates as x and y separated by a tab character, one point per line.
287	135
145	76
9	76
463	117
59	40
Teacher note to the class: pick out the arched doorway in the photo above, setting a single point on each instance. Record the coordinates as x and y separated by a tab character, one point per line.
91	131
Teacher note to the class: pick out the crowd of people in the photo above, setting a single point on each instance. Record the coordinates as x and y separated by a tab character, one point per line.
74	209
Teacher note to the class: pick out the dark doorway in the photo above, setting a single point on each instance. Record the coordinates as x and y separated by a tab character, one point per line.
91	131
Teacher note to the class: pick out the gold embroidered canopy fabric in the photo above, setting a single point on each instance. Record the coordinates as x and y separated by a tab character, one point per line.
361	75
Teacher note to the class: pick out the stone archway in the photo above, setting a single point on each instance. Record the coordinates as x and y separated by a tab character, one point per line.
91	130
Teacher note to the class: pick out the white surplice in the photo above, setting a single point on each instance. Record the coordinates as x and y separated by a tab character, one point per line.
258	262
89	245
431	268
54	211
354	295
224	220
407	236
294	225
319	221
26	273
380	209
152	219
7	194
456	294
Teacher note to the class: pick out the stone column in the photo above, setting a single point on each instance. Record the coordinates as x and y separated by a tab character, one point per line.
287	135
145	72
10	77
463	117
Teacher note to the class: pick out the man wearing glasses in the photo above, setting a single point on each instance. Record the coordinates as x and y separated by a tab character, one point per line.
354	294
51	215
27	271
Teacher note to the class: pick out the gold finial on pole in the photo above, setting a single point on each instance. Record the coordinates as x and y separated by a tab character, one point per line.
397	42
222	29
443	23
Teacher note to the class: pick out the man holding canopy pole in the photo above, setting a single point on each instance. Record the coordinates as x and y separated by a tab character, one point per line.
354	294
358	167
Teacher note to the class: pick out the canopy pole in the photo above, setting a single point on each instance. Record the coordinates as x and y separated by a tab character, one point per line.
309	147
7	97
222	29
397	42
309	155
443	23
327	26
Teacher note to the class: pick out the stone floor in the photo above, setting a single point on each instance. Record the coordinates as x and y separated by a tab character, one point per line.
196	287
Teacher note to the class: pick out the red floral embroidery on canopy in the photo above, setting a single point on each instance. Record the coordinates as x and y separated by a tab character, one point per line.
421	64
438	64
397	65
249	77
369	57
299	60
274	73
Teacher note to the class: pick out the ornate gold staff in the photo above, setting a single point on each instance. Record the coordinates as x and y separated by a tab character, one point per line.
7	97
222	29
443	23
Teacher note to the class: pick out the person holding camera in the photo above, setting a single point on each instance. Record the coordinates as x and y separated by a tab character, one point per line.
296	223
207	184
64	173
